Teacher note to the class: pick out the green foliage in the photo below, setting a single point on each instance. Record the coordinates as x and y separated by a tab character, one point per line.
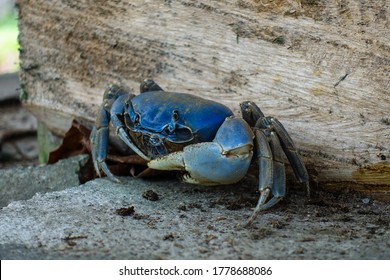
9	43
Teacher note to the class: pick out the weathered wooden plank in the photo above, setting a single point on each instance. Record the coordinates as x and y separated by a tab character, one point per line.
321	67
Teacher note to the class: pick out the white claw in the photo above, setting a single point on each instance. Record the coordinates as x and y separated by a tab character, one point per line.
173	161
125	138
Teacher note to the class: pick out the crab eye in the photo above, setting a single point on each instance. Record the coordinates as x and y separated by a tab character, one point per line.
131	123
166	131
175	115
183	134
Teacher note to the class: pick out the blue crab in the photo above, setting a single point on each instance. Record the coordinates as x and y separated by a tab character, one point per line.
200	137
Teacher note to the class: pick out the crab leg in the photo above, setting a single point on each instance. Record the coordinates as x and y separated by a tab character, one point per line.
251	112
289	149
99	139
149	85
264	155
93	140
272	178
255	117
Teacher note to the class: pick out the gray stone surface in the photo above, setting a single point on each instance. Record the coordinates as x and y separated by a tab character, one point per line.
22	183
166	219
187	222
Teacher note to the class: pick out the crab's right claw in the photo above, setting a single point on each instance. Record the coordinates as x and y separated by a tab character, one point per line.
223	161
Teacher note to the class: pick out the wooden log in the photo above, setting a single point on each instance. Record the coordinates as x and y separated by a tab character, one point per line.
321	67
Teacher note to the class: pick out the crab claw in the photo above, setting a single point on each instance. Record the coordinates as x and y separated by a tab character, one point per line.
224	161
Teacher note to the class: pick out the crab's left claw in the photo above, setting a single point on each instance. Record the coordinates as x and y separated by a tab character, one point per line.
224	161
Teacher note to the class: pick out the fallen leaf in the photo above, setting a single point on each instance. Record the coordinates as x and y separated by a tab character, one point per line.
76	142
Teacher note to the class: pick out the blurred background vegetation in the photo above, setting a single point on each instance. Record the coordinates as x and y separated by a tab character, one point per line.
9	54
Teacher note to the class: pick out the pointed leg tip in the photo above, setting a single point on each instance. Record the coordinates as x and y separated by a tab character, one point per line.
96	167
116	180
253	217
107	171
249	222
308	190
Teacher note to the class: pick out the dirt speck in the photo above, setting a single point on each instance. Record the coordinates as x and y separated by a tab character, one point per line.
125	211
182	207
150	195
70	240
169	236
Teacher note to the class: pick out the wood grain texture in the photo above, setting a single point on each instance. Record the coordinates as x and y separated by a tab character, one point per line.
321	67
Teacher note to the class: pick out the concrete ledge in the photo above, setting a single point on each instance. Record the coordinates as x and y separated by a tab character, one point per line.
165	219
22	183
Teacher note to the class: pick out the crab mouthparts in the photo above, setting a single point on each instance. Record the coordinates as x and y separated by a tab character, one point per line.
154	145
